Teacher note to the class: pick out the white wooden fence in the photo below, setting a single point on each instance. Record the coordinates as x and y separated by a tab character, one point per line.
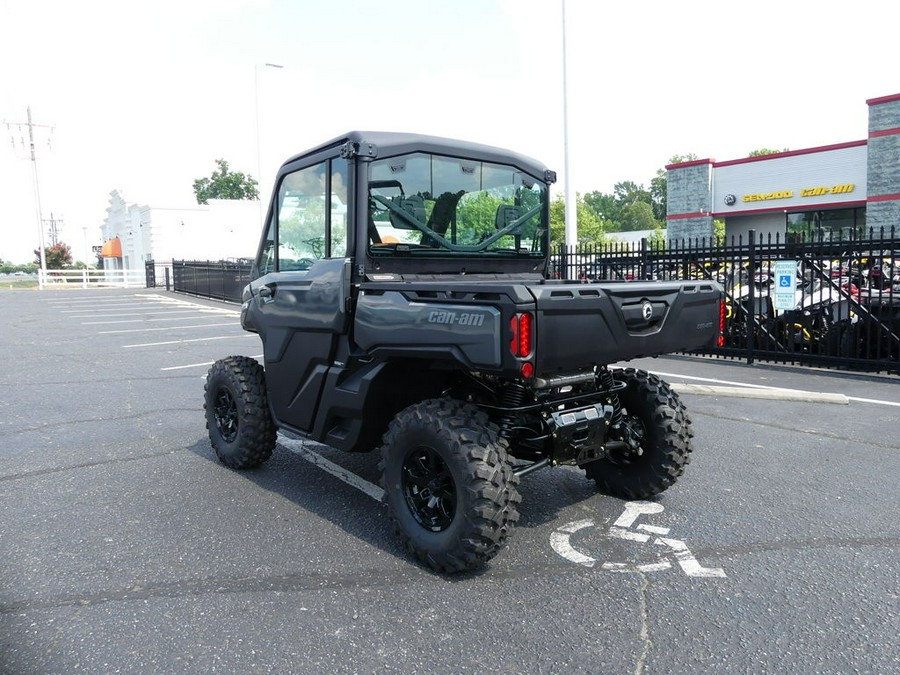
91	278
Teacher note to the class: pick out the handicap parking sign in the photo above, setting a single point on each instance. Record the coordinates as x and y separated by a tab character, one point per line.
785	284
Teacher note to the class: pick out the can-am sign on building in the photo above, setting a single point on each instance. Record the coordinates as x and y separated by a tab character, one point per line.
847	186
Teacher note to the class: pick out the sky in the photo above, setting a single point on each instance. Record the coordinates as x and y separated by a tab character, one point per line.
143	96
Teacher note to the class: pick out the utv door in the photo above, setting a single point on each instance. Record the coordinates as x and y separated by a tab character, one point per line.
298	303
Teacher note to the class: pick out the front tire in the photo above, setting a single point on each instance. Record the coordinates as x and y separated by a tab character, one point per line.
240	426
657	423
449	484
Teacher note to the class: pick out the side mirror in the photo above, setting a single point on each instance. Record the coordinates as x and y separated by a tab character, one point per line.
507	214
414	206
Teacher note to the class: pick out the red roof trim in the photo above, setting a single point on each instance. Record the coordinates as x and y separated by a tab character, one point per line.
884	198
884	132
792	153
694	162
682	216
883	99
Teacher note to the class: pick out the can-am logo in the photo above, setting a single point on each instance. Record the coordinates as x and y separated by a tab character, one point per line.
456	318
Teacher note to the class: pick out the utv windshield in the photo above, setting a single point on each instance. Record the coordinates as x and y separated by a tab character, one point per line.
423	204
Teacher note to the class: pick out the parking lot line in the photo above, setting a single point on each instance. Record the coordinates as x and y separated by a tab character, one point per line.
775	392
299	448
148	330
203	339
200	365
177	318
93	314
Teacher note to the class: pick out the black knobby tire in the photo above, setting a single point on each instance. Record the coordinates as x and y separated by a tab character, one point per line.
852	345
240	426
449	484
834	337
658	415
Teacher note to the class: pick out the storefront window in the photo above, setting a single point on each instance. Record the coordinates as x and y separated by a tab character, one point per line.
827	225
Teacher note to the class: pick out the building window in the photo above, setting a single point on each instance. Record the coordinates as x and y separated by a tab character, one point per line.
827	225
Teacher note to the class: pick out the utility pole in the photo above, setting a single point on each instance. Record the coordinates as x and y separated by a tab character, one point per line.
54	226
37	190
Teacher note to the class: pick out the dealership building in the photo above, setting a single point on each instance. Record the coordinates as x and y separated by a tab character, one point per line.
831	191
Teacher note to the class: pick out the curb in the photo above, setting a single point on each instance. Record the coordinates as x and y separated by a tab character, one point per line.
769	394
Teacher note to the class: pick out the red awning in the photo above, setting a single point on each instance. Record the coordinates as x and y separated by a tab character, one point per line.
112	249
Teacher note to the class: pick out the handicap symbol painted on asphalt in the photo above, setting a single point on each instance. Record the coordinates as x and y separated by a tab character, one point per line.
676	549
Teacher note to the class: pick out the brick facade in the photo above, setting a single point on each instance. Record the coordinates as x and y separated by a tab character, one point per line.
883	163
688	199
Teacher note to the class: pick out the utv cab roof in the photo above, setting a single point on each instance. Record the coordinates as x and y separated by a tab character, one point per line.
379	144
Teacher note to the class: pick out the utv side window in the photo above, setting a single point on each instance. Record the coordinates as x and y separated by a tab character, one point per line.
302	221
310	219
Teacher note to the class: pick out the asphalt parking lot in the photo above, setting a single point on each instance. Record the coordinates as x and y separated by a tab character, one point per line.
125	546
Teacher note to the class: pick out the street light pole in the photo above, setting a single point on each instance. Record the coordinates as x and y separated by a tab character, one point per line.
258	142
571	208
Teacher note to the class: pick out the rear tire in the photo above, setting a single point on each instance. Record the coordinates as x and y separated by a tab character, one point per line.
240	426
449	484
660	423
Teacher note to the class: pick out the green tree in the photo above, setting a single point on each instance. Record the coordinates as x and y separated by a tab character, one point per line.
225	184
591	228
659	186
719	231
638	216
628	192
657	239
762	152
58	256
603	205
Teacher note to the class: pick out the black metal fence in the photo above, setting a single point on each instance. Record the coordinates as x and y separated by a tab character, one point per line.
217	280
843	310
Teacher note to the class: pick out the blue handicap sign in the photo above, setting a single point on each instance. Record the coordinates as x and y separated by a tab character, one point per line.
784	281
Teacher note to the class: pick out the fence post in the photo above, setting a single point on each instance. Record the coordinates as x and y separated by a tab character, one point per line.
644	256
751	298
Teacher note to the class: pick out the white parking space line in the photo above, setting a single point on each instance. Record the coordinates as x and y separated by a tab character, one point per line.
785	394
148	330
350	478
109	302
177	318
203	339
95	309
93	314
872	400
200	365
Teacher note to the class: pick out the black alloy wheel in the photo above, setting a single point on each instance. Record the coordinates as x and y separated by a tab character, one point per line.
429	489
225	413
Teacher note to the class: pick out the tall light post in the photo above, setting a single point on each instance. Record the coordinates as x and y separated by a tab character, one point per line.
256	68
571	209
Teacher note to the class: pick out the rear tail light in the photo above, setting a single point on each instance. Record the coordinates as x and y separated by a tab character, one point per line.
522	328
